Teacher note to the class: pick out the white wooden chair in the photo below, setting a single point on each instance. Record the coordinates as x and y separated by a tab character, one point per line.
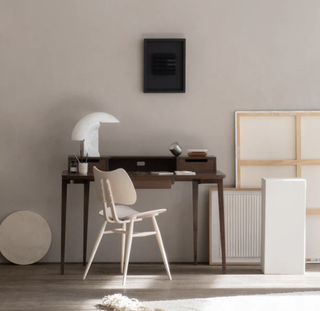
115	189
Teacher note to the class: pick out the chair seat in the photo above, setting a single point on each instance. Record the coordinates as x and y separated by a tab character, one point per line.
126	213
123	212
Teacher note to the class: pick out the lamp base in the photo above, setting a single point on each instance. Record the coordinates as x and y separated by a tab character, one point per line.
89	149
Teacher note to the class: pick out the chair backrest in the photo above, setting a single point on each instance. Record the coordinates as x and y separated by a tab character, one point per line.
114	187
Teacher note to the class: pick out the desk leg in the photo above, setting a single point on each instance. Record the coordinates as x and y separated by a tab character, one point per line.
195	194
222	225
86	191
63	223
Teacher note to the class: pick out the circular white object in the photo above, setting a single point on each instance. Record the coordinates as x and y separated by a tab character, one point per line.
25	237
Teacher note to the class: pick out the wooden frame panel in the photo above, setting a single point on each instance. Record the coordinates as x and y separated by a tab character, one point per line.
301	117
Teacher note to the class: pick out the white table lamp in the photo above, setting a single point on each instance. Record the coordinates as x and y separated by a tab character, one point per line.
87	131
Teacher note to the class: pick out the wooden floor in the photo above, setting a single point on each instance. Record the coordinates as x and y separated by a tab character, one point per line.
41	287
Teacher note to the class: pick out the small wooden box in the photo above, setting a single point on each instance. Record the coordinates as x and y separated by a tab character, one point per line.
197	164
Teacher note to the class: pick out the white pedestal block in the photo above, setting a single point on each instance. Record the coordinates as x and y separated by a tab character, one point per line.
283	226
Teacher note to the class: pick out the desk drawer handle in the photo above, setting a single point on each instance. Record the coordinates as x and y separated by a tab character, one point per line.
196	160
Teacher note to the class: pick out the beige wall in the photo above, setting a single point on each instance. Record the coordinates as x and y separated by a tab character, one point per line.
62	59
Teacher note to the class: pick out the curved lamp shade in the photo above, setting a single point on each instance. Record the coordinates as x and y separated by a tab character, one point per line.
87	131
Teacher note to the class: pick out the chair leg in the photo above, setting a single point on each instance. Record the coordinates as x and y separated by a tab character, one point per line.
129	242
123	243
102	230
160	243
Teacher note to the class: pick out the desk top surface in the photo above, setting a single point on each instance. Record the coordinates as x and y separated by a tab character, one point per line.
205	177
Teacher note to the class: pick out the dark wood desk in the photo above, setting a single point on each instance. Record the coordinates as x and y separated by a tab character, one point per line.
145	181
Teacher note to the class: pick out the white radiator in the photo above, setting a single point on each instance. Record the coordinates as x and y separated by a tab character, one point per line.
242	209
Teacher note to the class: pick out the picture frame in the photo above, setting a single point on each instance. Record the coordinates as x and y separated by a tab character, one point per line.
164	65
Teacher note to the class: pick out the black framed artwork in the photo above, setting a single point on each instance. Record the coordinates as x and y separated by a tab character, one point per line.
164	65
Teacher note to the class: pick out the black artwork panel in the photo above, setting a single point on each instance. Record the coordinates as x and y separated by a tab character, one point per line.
164	65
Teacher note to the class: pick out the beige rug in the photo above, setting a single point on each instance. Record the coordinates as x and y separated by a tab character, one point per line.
299	301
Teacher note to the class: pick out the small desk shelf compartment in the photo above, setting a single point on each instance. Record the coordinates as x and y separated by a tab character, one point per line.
143	163
150	163
100	162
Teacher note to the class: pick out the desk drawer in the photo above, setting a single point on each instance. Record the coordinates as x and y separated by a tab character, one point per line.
197	164
152	184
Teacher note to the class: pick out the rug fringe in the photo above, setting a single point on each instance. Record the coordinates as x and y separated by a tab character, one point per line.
118	302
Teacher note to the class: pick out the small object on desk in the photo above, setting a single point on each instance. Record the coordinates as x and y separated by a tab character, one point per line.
162	173
140	173
197	152
83	168
175	149
184	173
76	158
73	167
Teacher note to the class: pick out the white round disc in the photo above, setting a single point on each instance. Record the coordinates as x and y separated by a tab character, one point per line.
25	237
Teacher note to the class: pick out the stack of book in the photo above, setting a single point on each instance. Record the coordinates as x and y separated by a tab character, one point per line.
197	152
184	173
162	173
171	173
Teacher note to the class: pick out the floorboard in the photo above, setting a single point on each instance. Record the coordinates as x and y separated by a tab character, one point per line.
41	287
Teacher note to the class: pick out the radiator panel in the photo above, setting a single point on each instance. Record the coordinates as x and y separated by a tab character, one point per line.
242	226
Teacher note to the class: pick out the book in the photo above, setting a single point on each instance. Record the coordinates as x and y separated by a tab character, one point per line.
197	150
184	173
162	173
